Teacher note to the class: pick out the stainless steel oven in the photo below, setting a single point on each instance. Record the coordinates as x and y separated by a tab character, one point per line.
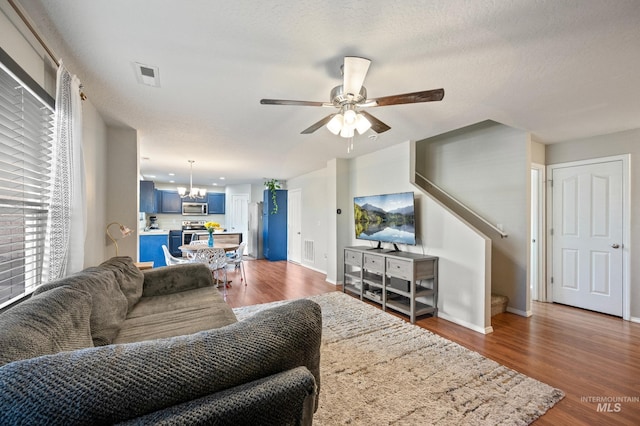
192	229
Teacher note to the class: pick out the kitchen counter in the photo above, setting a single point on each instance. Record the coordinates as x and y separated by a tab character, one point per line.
222	237
154	232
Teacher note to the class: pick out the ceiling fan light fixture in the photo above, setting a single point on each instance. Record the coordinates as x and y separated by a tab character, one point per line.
350	118
362	124
347	132
335	124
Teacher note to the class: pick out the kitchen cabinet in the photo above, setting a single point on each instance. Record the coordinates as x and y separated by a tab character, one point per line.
151	249
158	197
147	197
175	241
274	226
170	202
215	201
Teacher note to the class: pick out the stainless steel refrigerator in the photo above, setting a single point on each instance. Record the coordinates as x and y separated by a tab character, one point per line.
254	240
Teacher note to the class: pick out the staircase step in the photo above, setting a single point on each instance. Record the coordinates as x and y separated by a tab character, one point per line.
498	304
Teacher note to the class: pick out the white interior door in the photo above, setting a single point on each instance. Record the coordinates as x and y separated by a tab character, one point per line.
588	225
239	217
294	216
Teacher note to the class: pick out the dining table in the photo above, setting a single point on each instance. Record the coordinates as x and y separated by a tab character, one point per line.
192	248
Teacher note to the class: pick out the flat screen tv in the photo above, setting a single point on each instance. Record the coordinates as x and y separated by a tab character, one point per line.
386	218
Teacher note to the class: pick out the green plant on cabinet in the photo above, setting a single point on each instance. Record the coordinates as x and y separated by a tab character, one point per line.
272	185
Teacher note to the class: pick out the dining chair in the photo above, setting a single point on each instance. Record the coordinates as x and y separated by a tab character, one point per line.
216	260
170	259
190	254
235	258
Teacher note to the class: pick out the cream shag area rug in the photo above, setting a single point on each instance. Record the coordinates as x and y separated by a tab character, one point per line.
378	369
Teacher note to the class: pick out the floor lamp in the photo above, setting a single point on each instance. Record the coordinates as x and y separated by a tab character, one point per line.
124	230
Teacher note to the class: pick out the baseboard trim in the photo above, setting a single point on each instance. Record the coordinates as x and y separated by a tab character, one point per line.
635	319
519	312
336	283
478	329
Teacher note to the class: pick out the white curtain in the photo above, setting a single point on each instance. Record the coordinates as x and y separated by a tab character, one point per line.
66	224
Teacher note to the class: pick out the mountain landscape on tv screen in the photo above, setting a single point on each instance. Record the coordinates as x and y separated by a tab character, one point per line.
373	222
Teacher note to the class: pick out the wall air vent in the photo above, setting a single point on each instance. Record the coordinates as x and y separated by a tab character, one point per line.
147	74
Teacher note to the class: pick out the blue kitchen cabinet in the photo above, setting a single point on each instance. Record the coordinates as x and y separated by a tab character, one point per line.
147	197
274	226
158	199
170	202
151	249
215	201
175	241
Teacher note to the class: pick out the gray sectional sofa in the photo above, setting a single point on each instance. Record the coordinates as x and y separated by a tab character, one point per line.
112	344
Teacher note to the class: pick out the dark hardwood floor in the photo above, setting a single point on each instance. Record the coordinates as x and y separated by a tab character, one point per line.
589	356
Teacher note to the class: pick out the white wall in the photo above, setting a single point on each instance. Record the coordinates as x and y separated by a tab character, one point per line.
486	166
337	193
257	194
464	253
123	189
94	132
315	213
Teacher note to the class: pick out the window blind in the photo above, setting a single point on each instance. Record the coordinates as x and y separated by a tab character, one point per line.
26	145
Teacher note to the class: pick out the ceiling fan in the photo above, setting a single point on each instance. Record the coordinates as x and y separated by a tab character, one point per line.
351	97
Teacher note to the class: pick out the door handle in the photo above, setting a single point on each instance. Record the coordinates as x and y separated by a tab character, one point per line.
615	246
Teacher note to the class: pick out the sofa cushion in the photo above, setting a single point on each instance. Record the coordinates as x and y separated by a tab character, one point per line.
55	321
109	305
176	314
176	278
128	276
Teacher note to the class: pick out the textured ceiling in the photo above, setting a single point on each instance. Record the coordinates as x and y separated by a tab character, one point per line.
559	69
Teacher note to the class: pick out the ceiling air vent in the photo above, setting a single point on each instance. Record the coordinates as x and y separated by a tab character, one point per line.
147	74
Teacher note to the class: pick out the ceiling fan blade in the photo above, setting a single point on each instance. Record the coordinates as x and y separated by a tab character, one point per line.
409	98
354	71
376	125
317	125
288	102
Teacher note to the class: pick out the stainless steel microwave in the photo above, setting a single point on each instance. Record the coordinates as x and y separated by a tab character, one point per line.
194	209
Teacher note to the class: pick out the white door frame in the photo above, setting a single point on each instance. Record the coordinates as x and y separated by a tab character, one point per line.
541	288
294	214
626	226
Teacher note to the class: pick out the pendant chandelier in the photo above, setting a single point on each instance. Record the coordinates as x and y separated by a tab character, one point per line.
193	192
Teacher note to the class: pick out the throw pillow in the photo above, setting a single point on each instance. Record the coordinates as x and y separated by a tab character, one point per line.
46	324
109	305
129	277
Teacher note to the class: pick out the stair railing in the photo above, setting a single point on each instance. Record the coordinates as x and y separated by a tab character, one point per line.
463	206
